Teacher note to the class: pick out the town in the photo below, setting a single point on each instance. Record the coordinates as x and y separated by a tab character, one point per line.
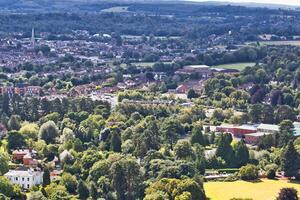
149	100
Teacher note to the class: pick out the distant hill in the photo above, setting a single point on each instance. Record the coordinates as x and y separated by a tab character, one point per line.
98	5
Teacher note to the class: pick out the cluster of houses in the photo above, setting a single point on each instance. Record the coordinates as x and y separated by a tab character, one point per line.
252	134
26	170
21	89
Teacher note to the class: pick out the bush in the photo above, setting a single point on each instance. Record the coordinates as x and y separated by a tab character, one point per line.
287	194
249	172
271	173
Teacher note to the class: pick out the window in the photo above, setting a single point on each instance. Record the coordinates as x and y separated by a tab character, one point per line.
23	179
27	179
28	186
16	178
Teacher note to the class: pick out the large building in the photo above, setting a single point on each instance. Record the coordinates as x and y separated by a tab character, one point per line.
268	128
202	70
236	131
25	177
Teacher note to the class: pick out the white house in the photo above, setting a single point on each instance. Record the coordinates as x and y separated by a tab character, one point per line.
25	177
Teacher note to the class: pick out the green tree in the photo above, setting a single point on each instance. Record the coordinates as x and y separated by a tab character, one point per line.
48	132
248	172
290	160
93	190
287	194
241	154
126	179
171	129
6	187
36	196
116	142
30	130
286	132
69	181
183	150
192	94
224	148
197	135
15	140
82	190
46	177
4	159
14	123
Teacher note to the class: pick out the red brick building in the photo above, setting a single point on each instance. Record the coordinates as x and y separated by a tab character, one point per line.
237	131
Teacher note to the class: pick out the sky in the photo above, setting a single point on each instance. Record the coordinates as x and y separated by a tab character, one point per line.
283	2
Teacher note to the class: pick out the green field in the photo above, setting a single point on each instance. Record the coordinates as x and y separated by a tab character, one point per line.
238	66
263	190
144	64
116	9
288	42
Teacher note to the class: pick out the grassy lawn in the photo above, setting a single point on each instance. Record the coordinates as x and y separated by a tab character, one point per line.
287	42
293	43
148	64
238	66
264	190
116	9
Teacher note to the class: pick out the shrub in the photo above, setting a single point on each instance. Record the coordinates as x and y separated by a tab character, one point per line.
271	173
287	194
248	172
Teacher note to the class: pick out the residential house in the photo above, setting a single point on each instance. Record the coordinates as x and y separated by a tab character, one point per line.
25	177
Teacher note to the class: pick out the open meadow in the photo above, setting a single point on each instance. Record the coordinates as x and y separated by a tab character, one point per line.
263	190
237	66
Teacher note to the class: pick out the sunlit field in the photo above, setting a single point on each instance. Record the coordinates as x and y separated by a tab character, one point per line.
262	190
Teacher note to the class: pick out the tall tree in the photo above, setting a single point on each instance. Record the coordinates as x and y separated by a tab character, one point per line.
119	181
15	140
290	160
82	190
197	135
115	144
171	129
241	154
224	149
14	122
46	177
48	132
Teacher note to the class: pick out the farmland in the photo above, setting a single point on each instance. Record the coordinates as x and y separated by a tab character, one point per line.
262	190
287	42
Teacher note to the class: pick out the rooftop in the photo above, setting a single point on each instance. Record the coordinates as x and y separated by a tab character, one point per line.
272	127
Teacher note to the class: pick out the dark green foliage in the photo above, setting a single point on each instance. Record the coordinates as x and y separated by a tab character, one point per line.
15	140
46	177
224	149
115	144
290	160
287	194
241	154
248	172
82	190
